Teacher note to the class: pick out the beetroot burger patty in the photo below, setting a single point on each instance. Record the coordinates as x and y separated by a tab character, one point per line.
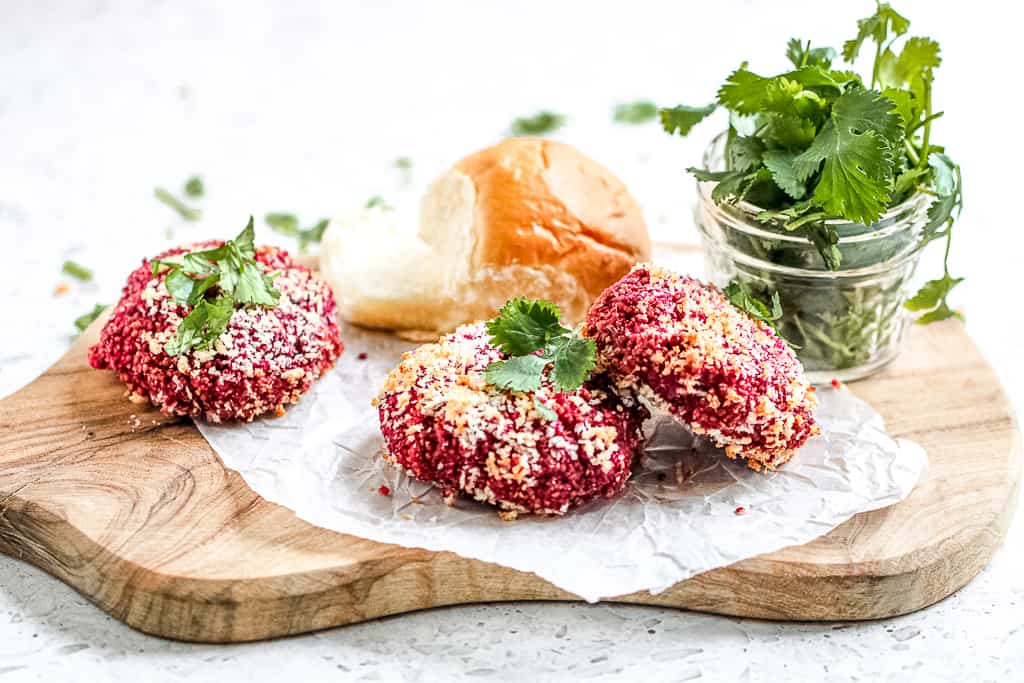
443	424
266	358
684	348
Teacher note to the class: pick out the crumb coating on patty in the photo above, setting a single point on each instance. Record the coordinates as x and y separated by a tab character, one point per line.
681	346
444	424
267	357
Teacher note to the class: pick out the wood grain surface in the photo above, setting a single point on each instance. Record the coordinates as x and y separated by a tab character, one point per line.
135	511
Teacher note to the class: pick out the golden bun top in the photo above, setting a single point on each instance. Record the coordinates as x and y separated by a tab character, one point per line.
544	203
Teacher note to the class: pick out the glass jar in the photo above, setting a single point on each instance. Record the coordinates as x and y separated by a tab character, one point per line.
845	324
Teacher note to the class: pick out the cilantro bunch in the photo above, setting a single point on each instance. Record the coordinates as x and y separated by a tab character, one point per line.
213	282
529	331
817	143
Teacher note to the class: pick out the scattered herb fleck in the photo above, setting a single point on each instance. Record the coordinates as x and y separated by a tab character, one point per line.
378	202
640	111
77	271
288	224
83	321
194	187
183	209
541	123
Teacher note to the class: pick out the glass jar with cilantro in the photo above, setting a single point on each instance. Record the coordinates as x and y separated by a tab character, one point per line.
816	203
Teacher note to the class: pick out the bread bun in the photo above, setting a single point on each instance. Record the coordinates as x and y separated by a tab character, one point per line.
526	217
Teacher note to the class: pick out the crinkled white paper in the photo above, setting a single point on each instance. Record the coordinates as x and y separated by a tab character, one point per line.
676	518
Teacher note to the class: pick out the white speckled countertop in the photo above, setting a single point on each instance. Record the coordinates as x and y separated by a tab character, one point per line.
302	107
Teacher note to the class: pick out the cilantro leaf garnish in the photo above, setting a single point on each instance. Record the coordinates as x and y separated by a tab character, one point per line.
524	326
573	358
530	333
202	326
640	111
213	282
77	271
541	123
519	373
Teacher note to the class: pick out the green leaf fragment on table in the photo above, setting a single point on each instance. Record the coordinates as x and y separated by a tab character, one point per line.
681	119
182	209
378	202
640	111
194	187
83	321
288	224
283	223
77	271
403	163
541	123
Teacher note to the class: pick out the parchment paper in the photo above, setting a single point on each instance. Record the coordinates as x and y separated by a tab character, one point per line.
677	517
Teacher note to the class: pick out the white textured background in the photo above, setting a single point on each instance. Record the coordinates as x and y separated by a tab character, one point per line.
301	106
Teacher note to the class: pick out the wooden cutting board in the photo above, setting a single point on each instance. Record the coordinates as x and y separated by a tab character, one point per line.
135	511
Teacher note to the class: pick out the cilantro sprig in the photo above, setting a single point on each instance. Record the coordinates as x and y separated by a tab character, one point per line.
818	143
213	282
531	334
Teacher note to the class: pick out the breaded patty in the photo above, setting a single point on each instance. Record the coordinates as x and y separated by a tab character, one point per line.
542	452
266	358
684	348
